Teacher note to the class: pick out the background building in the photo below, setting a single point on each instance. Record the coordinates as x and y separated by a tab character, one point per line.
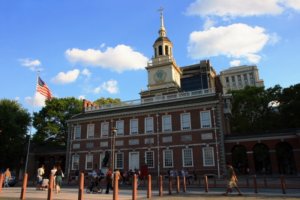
236	78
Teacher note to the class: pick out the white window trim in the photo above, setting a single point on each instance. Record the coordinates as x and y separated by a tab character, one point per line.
164	157
146	125
77	135
201	121
73	161
90	132
183	157
152	161
211	149
86	161
134	122
188	122
164	129
104	131
120	127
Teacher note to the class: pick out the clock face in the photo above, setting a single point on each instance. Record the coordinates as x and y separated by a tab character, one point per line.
160	76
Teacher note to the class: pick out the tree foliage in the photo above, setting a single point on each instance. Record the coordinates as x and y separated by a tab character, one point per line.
252	110
50	121
104	101
14	123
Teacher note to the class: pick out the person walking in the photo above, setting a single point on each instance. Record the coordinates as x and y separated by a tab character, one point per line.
109	180
40	174
7	176
232	180
58	179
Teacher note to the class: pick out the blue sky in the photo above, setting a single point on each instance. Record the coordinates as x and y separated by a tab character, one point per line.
93	49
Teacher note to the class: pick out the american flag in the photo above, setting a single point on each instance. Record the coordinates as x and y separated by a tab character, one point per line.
43	89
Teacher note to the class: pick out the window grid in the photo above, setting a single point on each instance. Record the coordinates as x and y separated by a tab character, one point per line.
185	121
166	123
90	130
120	127
104	129
149	125
187	157
149	159
119	160
77	132
205	119
208	156
168	158
89	161
75	162
134	126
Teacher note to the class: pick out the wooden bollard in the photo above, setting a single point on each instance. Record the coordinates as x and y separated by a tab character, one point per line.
178	184
206	183
134	188
1	181
170	184
116	187
283	185
160	192
81	186
255	184
184	184
149	187
24	186
50	188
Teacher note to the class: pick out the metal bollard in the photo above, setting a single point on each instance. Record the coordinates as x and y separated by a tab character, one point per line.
178	184
81	186
254	183
160	192
149	187
184	184
1	181
50	187
206	183
134	188
24	186
116	187
283	185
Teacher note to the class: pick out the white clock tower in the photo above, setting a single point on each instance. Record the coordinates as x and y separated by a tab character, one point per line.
163	73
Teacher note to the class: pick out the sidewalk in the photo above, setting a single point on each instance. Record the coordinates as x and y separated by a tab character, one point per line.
71	193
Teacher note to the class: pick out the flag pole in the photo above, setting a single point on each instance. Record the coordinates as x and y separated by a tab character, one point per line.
29	139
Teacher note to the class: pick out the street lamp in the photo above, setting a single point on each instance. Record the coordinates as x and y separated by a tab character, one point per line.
113	137
158	163
216	141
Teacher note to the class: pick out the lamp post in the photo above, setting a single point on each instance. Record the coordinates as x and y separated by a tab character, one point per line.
158	163
216	141
113	137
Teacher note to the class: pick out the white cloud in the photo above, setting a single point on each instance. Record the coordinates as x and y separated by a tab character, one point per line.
64	78
234	8
86	72
37	100
294	4
234	41
110	86
235	63
119	58
33	65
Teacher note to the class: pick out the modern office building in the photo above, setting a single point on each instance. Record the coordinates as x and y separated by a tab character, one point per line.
236	78
178	122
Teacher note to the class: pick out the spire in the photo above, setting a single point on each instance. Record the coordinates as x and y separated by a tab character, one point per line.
162	30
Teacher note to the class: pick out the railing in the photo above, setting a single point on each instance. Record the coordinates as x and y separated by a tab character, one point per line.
154	99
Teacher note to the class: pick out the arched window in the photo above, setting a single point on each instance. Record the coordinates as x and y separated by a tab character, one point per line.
167	50
285	158
262	159
160	50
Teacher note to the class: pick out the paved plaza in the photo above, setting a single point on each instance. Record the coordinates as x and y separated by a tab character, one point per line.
71	193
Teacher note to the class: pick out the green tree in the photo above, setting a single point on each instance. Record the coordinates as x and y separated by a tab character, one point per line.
290	106
14	123
105	101
251	110
50	121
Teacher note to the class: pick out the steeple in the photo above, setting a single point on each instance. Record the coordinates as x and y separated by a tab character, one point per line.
162	30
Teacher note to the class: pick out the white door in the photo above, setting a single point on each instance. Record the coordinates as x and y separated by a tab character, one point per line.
134	160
